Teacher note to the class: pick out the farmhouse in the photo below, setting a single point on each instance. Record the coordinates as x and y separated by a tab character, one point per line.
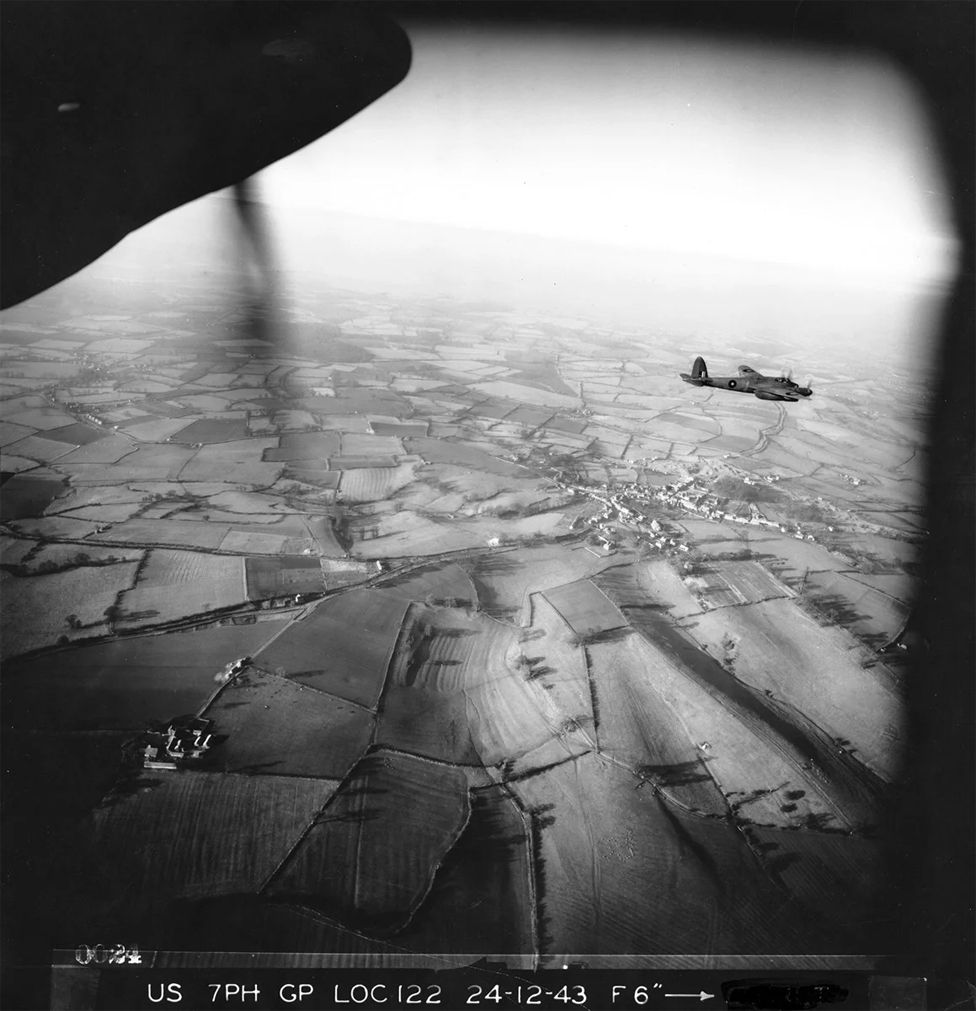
186	738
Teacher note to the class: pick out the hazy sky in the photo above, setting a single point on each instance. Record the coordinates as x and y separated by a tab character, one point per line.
683	186
788	155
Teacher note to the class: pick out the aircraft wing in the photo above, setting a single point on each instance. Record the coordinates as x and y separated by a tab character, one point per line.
744	370
764	393
115	113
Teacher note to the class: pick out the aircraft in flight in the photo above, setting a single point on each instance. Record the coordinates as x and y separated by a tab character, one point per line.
748	381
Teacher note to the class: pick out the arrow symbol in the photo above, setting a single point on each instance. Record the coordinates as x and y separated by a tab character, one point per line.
701	995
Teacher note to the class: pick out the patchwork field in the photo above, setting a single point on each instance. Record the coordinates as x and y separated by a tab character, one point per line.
342	646
615	863
127	683
611	686
274	726
345	866
282	575
585	608
204	834
41	610
176	583
483	886
815	669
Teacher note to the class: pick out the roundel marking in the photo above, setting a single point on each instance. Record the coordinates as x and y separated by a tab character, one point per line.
731	384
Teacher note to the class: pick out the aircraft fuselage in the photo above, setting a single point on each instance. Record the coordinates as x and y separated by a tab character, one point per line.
748	380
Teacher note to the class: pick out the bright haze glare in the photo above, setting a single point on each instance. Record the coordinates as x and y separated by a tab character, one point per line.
692	187
761	153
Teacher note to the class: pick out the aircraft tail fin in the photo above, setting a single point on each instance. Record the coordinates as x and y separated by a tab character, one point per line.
699	373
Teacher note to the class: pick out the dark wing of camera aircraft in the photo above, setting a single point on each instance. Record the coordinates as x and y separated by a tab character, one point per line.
748	380
116	113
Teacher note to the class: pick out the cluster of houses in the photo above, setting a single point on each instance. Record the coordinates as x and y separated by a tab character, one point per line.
627	505
622	507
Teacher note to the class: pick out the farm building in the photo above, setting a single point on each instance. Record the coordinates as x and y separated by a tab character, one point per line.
185	738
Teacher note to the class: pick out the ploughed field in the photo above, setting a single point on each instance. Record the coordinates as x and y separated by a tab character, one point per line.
518	680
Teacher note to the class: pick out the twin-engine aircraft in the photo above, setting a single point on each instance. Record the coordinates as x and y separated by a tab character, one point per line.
748	381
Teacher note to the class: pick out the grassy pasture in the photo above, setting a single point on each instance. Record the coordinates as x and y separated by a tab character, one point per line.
156	430
372	854
552	656
731	443
897	584
40	418
571	426
35	609
359	462
522	394
795	556
299	446
748	582
77	434
432	583
13	433
63	556
36	447
448	650
511	717
462	454
789	464
176	533
408	535
177	583
426	722
324	537
23	495
111	449
648	583
102	514
620	871
274	726
235	462
125	683
14	549
372	484
701	422
637	726
357	444
504	579
837	877
482	889
197	834
207	430
242	502
814	669
399	429
532	417
760	772
585	608
867	612
282	575
493	409
256	542
144	463
343	646
344	423
678	431
54	528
